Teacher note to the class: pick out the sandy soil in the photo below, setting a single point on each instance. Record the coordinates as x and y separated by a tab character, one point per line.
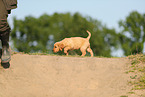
60	76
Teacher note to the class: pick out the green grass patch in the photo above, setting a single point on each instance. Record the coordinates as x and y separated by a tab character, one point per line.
131	93
124	96
137	67
46	53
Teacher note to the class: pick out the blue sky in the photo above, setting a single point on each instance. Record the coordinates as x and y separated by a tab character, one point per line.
109	12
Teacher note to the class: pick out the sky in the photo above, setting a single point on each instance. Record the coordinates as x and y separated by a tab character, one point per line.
109	12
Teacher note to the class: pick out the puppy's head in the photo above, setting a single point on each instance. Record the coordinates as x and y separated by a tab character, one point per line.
58	46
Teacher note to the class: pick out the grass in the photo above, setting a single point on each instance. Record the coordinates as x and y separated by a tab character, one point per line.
63	55
138	68
123	96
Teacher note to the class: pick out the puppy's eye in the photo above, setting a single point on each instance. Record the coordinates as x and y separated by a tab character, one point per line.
55	46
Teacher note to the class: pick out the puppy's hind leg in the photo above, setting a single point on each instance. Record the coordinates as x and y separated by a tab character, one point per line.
90	51
83	50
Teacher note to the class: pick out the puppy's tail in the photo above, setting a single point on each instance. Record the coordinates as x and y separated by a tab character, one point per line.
89	35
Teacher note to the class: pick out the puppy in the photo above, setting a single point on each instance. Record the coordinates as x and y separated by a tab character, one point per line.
74	43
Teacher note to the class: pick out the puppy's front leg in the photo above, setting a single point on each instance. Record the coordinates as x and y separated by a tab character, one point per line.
66	49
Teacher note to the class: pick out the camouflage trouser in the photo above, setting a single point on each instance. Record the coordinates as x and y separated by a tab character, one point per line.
4	26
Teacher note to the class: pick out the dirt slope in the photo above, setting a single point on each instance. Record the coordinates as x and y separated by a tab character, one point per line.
58	76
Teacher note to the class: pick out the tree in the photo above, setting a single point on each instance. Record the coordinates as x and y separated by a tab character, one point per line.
31	34
132	36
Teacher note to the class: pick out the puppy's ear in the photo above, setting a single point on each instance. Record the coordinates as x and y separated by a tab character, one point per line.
61	46
56	44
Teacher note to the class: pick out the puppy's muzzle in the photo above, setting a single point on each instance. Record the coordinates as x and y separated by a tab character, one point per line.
55	50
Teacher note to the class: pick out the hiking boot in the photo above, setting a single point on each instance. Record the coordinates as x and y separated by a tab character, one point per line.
6	55
5	65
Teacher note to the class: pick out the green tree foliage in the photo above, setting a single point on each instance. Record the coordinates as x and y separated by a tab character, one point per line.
132	36
31	34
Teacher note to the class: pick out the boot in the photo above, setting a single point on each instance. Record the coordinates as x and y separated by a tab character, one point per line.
6	55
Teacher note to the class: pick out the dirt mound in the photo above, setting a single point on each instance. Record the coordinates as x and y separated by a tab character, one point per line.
58	76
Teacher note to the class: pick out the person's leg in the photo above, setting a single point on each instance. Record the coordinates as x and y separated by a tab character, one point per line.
4	35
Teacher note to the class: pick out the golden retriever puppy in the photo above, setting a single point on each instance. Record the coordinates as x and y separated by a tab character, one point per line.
74	43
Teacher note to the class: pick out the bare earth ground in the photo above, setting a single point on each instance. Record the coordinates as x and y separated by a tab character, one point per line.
60	76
